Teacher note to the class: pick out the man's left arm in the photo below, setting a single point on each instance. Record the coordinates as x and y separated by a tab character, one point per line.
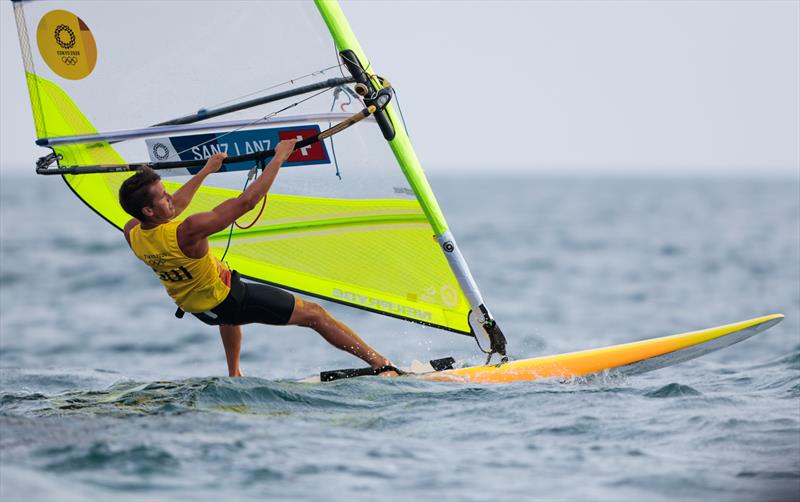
184	195
126	230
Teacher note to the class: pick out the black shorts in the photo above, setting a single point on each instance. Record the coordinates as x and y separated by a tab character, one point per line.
249	303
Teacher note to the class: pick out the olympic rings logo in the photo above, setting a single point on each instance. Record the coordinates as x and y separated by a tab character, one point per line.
70	42
69	60
160	151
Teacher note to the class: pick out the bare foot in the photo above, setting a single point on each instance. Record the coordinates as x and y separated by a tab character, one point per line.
387	372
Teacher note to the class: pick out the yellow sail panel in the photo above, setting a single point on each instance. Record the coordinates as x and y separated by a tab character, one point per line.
342	222
59	116
378	255
394	268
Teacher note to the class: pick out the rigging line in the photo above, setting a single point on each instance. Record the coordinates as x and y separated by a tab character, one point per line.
253	172
266	117
260	212
250	176
337	54
228	245
336	95
290	81
335	161
352	95
333	148
364	71
400	109
205	114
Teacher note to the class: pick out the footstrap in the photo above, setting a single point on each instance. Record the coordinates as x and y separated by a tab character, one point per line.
330	376
388	367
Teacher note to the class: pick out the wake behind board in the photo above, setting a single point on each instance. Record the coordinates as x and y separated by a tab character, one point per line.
625	359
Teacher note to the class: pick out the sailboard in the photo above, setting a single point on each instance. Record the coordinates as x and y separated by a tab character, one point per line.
351	217
626	359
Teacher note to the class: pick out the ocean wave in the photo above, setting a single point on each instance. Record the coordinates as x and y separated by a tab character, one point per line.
239	395
791	361
788	361
141	459
673	390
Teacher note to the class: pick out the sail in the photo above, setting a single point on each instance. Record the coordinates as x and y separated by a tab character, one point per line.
350	219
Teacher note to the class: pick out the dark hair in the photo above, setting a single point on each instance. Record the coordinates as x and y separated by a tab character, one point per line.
134	193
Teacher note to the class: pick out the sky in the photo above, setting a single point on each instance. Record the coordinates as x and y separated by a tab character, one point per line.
633	87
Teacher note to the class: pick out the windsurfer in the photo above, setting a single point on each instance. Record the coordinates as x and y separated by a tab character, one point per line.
179	254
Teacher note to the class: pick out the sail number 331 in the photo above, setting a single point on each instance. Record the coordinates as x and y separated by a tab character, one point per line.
174	275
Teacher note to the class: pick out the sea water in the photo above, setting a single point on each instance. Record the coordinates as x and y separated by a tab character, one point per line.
105	395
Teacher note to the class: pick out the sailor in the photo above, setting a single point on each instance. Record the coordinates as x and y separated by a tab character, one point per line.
178	252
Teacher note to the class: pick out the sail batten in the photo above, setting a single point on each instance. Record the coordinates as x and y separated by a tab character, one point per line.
152	131
205	114
291	230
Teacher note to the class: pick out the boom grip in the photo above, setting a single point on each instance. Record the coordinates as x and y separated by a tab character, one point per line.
43	168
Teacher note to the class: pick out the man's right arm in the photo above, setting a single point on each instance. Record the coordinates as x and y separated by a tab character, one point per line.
201	225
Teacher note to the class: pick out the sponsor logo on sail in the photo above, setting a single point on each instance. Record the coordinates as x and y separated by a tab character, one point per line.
449	296
160	151
62	29
66	44
382	305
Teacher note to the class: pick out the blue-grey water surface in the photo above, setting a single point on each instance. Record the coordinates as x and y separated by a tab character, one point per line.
104	395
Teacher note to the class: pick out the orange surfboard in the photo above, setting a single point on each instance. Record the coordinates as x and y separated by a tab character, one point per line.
627	359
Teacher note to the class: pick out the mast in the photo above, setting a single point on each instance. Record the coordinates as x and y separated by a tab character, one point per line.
485	329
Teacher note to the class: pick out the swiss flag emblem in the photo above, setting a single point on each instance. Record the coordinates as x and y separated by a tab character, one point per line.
308	153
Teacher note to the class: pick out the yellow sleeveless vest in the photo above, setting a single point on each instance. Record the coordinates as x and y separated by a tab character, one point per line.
194	283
